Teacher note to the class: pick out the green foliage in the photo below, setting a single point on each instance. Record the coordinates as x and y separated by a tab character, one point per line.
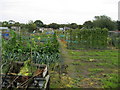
31	26
5	24
114	39
22	47
112	81
103	71
88	24
11	48
95	70
87	38
39	23
118	25
104	22
26	70
73	26
53	25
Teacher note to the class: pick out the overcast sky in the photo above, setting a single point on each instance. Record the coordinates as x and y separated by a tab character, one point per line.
58	11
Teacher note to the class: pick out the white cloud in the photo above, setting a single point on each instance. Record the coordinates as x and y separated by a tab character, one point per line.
59	11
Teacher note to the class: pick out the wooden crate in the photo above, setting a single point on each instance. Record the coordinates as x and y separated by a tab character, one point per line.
37	81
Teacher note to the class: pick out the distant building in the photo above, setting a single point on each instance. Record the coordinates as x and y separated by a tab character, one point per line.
45	29
16	28
114	31
4	28
64	28
41	29
61	29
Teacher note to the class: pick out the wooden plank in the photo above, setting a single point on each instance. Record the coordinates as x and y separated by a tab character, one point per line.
37	65
45	72
47	80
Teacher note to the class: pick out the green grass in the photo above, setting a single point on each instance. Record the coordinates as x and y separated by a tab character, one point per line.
104	64
77	63
92	68
109	56
96	70
101	64
94	52
111	81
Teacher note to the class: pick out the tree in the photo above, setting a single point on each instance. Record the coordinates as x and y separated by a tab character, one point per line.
39	23
104	22
88	24
54	25
17	24
80	26
73	25
46	26
4	24
23	27
7	24
31	26
118	25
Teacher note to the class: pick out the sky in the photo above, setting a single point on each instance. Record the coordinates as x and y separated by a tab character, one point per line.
57	11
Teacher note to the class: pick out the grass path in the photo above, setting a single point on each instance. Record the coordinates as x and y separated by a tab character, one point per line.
67	69
71	70
86	69
76	71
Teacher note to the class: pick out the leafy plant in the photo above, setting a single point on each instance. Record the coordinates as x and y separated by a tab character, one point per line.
26	70
112	81
21	47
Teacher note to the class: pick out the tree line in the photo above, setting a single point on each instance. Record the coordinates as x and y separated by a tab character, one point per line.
98	22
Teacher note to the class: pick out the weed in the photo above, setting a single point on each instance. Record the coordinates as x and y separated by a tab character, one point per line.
112	81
